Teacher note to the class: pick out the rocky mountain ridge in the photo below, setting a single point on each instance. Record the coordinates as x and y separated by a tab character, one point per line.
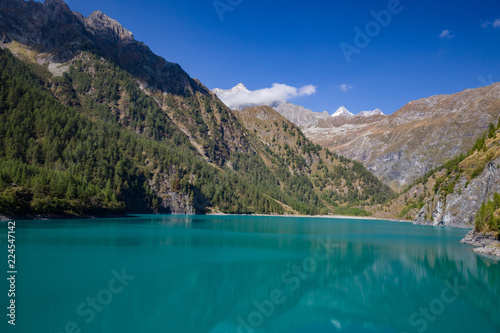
376	112
403	146
238	89
420	136
299	115
57	35
53	35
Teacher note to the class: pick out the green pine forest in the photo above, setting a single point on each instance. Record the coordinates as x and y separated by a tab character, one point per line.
488	216
91	142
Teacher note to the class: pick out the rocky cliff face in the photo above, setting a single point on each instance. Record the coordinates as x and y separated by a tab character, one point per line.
105	27
458	209
420	136
484	243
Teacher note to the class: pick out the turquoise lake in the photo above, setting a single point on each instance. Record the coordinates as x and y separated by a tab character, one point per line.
162	273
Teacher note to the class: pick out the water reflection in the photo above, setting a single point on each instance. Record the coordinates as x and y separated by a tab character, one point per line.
265	274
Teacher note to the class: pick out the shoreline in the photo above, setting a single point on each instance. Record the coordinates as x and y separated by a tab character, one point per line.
5	218
44	217
484	244
321	216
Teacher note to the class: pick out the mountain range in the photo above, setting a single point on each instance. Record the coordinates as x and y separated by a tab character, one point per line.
439	152
299	115
403	146
92	122
422	135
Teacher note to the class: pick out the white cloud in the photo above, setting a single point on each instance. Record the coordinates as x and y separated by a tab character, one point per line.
446	34
307	90
494	24
344	87
485	24
278	92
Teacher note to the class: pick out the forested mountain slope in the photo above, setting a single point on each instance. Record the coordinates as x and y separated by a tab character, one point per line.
92	122
335	179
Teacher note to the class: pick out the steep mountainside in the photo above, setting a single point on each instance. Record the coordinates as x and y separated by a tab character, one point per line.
451	195
92	122
57	35
465	192
420	136
113	150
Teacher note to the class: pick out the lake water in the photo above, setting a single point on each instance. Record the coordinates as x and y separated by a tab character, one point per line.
247	274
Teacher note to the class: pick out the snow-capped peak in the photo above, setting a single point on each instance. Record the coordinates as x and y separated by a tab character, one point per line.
238	89
375	112
342	111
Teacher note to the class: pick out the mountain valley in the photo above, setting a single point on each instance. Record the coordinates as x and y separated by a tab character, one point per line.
120	129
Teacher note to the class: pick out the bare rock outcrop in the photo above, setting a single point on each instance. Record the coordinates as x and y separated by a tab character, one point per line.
458	209
484	243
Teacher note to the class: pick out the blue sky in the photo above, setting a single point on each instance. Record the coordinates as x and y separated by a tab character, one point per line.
427	48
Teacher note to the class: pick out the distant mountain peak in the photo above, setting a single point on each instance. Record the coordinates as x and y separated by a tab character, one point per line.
240	88
54	2
237	89
342	112
376	112
57	6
